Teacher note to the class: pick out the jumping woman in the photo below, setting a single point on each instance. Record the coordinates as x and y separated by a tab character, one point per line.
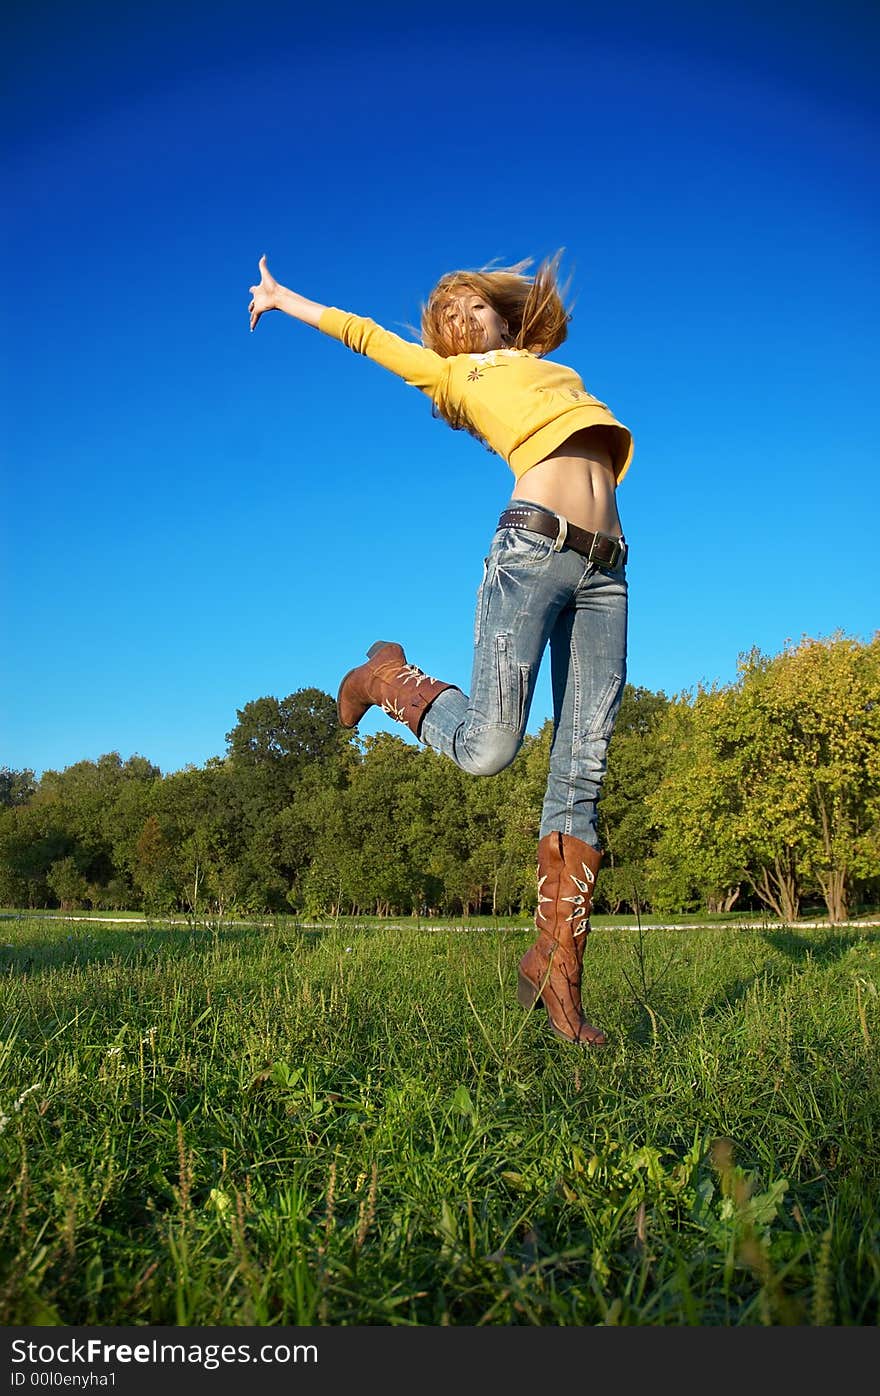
555	573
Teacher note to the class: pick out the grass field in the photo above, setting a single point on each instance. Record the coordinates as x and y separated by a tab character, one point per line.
260	1125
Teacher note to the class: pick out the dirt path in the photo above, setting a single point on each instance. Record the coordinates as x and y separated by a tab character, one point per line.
426	926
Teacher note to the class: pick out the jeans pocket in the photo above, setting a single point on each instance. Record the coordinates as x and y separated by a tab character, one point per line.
520	547
481	603
512	680
605	712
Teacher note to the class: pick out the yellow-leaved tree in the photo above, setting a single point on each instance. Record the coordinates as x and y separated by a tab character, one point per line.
776	781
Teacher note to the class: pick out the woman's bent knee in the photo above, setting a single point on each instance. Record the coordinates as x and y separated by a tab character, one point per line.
489	750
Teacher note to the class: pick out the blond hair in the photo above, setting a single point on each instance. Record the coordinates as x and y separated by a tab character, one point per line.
533	307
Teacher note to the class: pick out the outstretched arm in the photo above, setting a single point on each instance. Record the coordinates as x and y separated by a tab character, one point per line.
271	295
416	365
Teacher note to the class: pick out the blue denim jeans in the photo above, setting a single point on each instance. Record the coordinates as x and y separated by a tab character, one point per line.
531	595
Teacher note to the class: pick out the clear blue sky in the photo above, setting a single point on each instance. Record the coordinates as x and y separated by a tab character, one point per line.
195	516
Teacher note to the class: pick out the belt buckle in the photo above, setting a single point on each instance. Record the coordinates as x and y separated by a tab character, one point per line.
616	549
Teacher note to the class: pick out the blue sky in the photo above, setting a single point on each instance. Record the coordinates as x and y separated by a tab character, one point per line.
196	516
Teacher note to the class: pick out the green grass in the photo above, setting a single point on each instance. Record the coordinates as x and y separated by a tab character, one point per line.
270	1125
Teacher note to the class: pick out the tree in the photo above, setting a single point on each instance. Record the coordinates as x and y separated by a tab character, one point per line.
434	805
275	740
381	871
776	779
82	801
30	842
821	699
155	867
701	854
627	830
67	882
16	787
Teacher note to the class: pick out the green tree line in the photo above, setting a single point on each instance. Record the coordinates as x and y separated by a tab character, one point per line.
764	793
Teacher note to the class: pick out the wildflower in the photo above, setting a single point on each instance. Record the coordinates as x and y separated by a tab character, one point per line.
219	1200
4	1119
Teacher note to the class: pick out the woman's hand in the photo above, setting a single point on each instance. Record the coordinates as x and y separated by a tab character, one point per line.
271	295
265	296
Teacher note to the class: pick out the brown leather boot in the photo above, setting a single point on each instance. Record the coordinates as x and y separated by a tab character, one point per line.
550	972
400	689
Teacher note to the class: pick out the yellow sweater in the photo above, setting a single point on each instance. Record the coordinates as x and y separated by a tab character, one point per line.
522	406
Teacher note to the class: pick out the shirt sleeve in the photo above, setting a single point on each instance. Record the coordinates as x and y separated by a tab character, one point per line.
419	367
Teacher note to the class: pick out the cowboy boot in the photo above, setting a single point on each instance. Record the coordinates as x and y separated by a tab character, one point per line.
400	689
550	972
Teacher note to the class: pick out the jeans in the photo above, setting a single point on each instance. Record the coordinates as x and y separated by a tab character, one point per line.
529	595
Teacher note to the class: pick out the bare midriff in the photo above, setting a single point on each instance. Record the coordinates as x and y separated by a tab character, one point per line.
578	482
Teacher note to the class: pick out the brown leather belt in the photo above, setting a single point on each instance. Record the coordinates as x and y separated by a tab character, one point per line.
600	548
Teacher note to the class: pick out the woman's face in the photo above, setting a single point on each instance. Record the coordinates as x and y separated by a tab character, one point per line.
475	321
